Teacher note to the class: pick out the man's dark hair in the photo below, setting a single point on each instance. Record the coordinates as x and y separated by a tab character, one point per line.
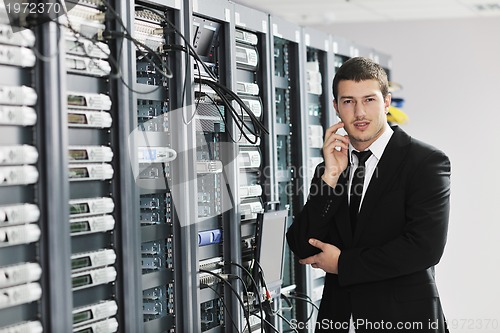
361	69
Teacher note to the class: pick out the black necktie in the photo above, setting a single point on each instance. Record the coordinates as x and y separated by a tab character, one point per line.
357	186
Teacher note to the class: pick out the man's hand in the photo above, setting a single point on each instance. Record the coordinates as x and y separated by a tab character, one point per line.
335	153
327	259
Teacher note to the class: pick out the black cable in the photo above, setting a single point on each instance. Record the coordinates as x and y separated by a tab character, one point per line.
262	278
255	287
247	316
222	116
288	301
224	305
95	42
239	121
256	122
246	293
305	300
220	90
168	74
298	293
198	61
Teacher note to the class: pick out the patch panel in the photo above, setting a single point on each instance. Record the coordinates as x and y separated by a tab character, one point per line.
150	108
212	314
151	263
150	217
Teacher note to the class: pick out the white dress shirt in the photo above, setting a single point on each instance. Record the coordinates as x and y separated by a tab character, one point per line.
377	148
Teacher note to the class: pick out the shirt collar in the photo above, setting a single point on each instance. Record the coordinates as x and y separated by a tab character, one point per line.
378	146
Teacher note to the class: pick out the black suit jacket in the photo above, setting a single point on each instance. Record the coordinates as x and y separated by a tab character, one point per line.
386	269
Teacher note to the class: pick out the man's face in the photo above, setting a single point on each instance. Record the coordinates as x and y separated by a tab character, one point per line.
362	109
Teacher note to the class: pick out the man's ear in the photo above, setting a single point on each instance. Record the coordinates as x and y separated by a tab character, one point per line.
387	101
336	106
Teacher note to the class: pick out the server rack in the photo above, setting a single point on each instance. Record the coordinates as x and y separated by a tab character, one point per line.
154	151
23	270
288	155
318	107
162	233
92	113
217	195
251	65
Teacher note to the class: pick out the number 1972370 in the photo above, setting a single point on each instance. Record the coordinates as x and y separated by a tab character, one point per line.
33	8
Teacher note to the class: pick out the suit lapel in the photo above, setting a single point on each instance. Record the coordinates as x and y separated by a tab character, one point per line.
392	158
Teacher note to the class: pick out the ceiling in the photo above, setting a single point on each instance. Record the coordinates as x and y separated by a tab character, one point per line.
327	12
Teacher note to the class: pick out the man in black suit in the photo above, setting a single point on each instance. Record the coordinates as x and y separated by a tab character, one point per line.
380	257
